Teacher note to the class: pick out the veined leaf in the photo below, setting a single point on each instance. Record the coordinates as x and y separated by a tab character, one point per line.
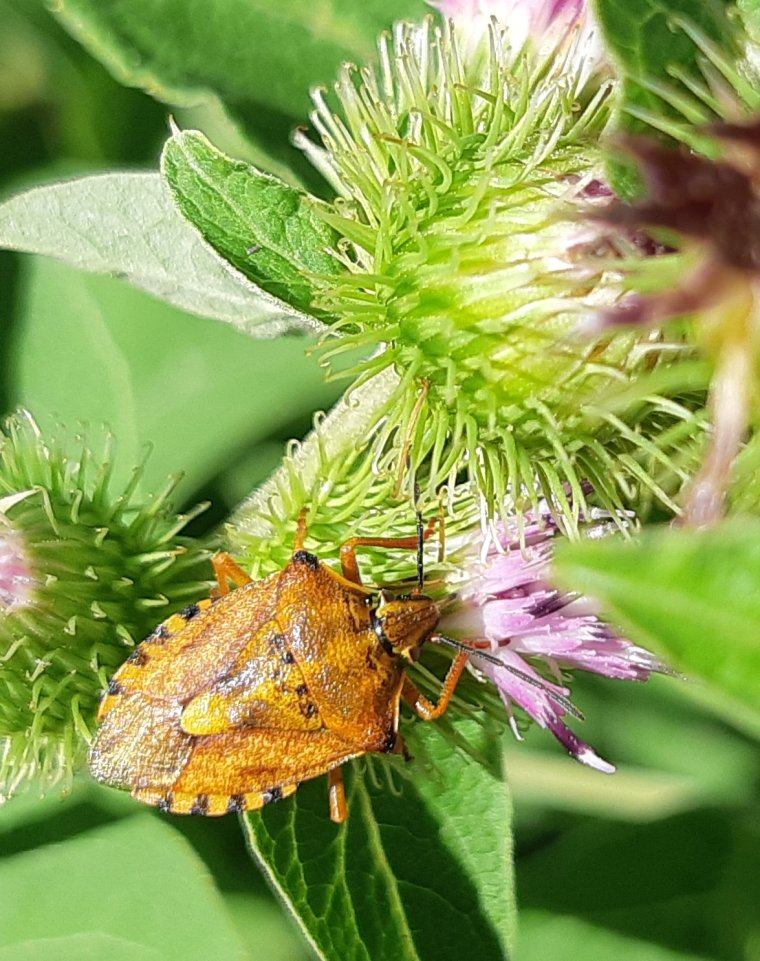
266	229
655	45
421	872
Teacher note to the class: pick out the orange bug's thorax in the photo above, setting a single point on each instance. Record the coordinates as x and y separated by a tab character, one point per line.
404	623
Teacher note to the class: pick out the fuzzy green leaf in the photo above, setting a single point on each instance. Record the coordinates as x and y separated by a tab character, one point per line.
127	225
252	53
692	595
91	897
419	873
266	229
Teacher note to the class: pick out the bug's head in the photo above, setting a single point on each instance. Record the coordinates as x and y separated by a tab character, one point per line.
403	623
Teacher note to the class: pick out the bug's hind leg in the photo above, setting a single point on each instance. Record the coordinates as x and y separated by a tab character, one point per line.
337	796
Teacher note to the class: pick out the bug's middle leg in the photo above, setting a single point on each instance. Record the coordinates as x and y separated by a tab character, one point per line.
424	707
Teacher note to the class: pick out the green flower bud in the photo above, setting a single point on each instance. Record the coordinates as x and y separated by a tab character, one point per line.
469	271
85	574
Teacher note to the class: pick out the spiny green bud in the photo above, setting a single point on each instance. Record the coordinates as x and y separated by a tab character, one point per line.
84	575
461	183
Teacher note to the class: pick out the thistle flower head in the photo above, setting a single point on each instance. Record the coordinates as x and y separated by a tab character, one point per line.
460	180
84	575
546	24
536	630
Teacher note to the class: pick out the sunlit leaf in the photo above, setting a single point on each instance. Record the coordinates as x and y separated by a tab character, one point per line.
421	872
126	225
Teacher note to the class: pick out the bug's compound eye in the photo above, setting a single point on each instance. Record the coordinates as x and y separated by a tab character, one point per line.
405	622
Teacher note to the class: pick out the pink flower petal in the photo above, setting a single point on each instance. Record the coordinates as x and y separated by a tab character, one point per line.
534	627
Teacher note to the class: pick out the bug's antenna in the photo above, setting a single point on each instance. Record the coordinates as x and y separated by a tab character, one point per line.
420	539
558	699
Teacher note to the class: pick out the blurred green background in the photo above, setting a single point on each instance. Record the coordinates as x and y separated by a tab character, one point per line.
659	863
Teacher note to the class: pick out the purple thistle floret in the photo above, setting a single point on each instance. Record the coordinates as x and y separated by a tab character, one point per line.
17	582
531	624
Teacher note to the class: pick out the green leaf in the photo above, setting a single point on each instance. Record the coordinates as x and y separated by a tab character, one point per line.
94	896
253	53
266	229
419	872
653	42
127	225
543	936
671	884
692	595
750	12
200	393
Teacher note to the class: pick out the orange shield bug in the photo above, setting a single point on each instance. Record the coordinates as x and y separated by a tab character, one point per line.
235	700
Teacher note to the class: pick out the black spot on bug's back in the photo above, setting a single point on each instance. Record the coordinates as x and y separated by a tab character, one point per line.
390	742
138	657
273	794
114	687
302	690
166	803
304	557
287	658
161	633
189	612
236	804
200	805
308	709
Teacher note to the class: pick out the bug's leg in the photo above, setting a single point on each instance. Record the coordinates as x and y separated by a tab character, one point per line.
227	570
301	531
348	560
400	748
425	708
337	796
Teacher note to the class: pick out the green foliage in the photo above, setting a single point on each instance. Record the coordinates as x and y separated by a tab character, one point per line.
126	225
91	897
266	229
750	11
659	48
660	862
209	370
259	58
693	596
421	871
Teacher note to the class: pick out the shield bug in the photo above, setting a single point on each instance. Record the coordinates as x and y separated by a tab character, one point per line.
235	700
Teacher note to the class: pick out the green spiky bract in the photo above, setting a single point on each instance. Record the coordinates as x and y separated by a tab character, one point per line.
103	569
460	185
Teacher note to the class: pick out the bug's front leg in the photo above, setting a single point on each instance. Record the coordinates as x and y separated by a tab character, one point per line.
425	708
227	570
337	796
348	562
